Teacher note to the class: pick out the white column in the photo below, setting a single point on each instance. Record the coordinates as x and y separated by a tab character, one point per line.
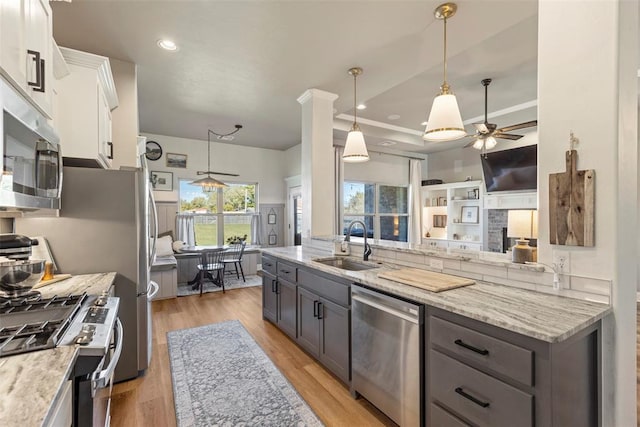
318	191
587	83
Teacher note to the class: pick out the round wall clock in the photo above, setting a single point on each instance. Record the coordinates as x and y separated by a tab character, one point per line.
154	151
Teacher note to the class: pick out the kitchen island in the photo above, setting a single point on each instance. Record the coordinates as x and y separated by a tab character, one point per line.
35	385
493	355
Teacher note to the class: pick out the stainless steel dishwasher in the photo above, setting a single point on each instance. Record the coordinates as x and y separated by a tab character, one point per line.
387	354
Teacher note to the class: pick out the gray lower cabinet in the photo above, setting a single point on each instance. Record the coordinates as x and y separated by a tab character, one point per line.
323	330
269	297
279	303
481	375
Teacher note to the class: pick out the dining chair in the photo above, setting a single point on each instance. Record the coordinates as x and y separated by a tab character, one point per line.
211	261
233	255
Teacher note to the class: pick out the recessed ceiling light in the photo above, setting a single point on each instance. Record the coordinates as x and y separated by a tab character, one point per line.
393	117
167	45
361	107
387	143
423	123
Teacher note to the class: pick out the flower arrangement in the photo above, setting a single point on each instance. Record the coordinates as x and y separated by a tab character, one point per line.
232	240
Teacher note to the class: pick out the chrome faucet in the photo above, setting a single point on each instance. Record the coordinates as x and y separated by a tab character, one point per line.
347	238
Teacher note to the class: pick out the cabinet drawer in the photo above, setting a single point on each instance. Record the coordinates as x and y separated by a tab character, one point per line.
287	271
476	396
441	418
334	291
269	265
485	351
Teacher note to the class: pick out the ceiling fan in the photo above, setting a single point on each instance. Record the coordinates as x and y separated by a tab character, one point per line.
486	133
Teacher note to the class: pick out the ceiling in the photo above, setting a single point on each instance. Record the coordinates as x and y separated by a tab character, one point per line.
248	61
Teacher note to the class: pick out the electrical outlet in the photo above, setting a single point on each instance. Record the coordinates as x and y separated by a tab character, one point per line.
436	263
562	261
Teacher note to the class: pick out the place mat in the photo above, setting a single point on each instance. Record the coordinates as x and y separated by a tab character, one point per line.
423	279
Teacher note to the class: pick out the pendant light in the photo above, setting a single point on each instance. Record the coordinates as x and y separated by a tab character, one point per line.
445	121
355	150
207	183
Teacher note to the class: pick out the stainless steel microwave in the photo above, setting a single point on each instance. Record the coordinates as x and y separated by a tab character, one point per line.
31	173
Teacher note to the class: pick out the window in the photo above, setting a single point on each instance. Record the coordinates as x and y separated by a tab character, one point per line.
221	214
383	208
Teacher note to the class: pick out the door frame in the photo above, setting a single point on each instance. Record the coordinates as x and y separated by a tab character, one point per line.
292	192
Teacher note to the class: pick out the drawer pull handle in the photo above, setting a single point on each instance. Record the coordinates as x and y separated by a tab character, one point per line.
466	395
268	265
285	271
461	343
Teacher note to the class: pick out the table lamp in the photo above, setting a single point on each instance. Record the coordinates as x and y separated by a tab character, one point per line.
523	225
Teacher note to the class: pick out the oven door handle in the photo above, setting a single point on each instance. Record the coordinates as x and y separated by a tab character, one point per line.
152	290
101	379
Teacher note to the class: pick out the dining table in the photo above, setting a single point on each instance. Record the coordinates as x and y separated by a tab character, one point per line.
199	249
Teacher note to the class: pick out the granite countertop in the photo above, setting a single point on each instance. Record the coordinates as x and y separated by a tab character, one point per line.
92	284
30	385
545	317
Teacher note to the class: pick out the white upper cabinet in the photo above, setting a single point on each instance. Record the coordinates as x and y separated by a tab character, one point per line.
26	49
85	99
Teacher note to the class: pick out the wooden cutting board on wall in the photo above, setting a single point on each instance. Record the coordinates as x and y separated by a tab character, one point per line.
572	204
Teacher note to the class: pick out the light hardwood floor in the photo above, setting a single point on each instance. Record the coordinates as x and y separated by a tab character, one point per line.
148	401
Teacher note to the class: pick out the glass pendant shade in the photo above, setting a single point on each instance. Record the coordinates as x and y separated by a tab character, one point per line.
208	184
445	121
355	150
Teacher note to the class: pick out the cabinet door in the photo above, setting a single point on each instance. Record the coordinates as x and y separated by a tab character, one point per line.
269	298
105	145
287	307
38	34
335	351
308	325
12	44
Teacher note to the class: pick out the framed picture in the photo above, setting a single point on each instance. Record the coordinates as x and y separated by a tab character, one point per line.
473	194
439	221
442	201
469	215
176	160
161	181
271	218
273	239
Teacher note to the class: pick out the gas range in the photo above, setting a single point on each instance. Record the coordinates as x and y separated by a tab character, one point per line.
31	324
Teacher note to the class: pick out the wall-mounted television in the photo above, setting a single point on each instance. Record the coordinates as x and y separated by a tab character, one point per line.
511	170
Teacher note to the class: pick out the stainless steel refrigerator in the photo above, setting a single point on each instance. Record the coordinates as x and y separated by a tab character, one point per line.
104	225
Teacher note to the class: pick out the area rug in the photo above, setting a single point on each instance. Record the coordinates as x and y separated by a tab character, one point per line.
221	377
230	282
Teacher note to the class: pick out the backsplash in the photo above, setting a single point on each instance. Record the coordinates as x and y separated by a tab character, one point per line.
496	222
483	266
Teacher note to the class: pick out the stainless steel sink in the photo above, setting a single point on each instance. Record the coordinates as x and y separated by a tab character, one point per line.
347	263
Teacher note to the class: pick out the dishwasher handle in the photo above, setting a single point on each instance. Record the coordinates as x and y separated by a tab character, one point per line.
385	308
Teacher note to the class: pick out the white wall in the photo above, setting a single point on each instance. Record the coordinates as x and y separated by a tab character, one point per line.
266	167
293	161
382	168
125	117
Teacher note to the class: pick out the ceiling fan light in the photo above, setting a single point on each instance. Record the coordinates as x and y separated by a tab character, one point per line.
490	142
355	149
445	121
478	144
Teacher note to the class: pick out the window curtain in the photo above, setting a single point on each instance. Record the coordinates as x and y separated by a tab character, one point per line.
339	183
256	229
415	202
185	226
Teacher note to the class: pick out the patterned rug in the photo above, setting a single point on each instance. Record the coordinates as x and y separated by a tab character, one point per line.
221	377
230	282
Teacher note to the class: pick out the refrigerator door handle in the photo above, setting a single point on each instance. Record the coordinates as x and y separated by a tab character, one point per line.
154	210
152	290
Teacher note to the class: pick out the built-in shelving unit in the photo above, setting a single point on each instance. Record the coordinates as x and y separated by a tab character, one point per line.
461	204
